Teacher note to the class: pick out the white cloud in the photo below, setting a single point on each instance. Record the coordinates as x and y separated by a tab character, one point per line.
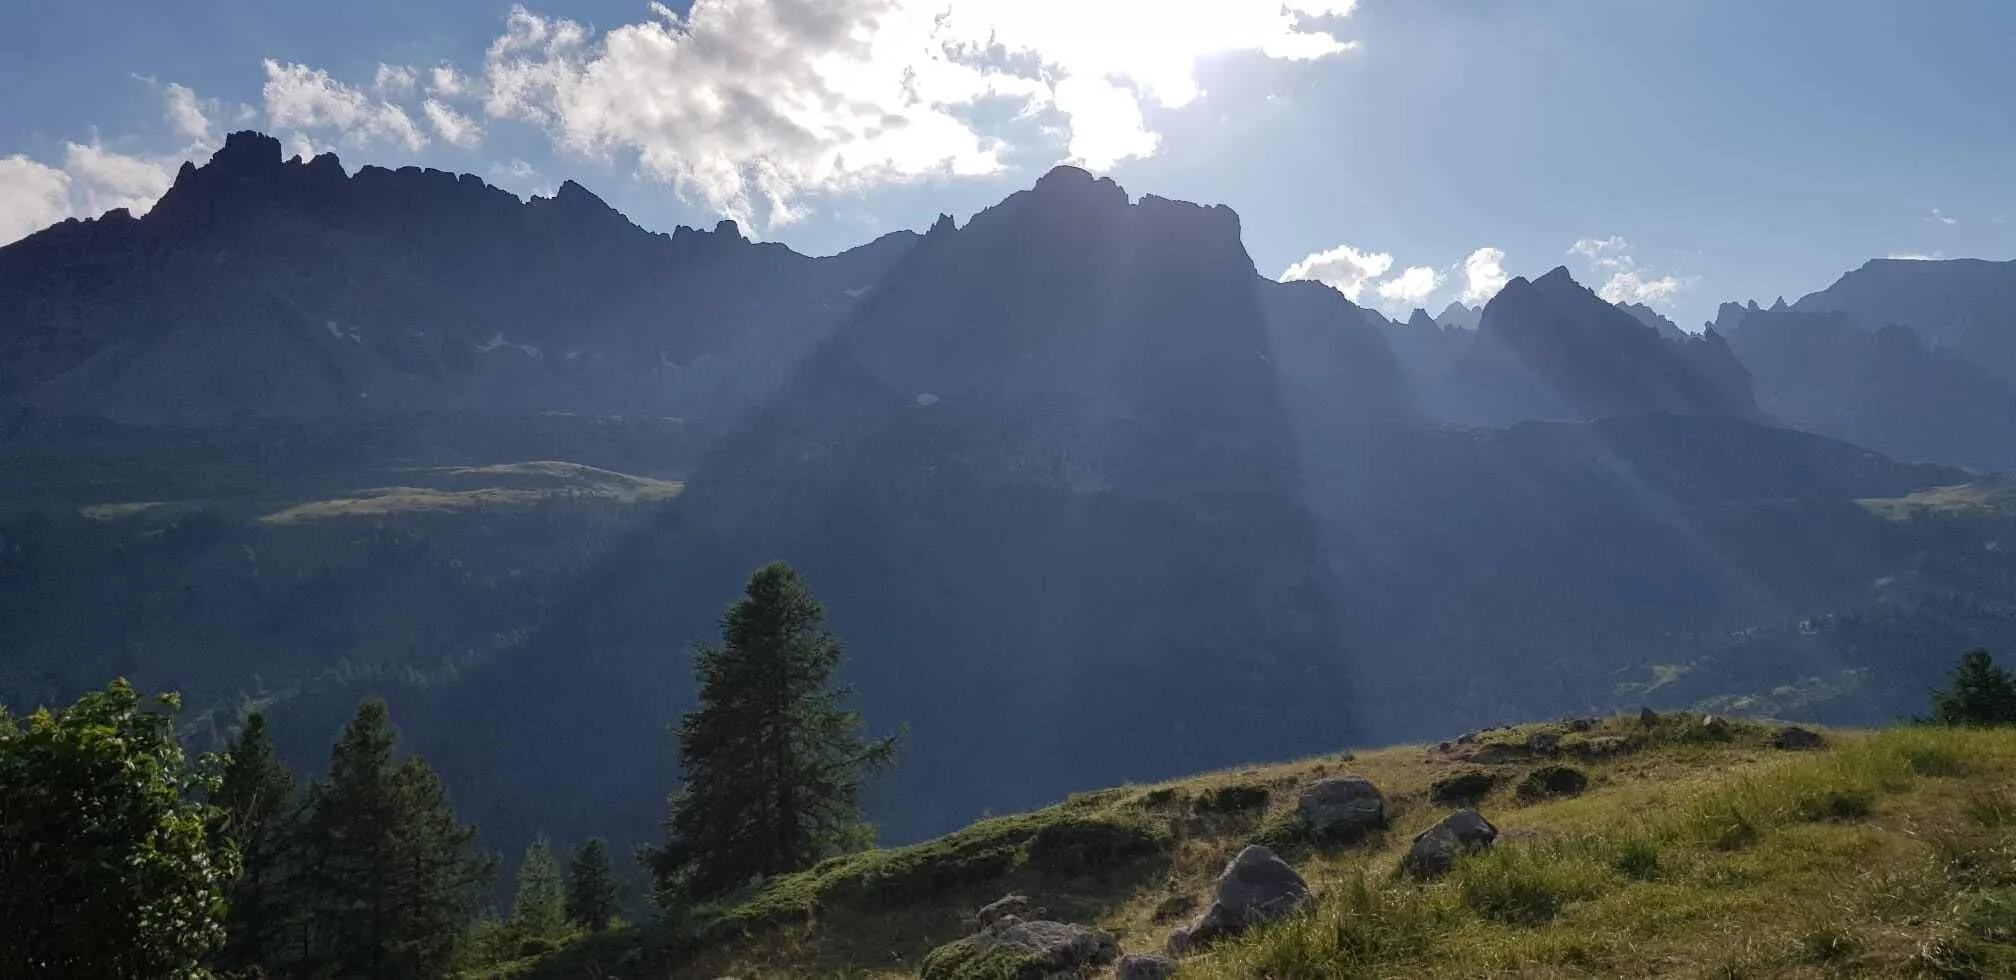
33	196
1917	256
103	180
305	99
754	103
1410	288
453	127
393	81
1631	287
1628	281
1942	217
1343	268
445	82
1484	275
187	115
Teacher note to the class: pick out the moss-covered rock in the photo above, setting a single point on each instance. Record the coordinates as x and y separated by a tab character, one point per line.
1549	781
1467	786
1023	951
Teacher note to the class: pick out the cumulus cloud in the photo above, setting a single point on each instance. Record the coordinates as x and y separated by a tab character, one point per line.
309	101
1628	282
1484	275
453	127
1343	268
748	103
445	82
1410	288
393	81
103	179
188	116
33	196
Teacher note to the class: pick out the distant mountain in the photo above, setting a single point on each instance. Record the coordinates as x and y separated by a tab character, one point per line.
1552	349
1966	306
1654	319
1045	477
294	290
1425	348
1458	315
1886	390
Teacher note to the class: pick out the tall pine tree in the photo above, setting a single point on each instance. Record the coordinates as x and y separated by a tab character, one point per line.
390	873
539	909
591	887
774	761
260	807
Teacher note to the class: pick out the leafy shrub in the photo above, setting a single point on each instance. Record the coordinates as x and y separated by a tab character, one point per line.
1982	695
1549	781
1232	799
1077	846
1636	858
1467	786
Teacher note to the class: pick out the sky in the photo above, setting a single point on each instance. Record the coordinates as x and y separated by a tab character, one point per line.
1410	153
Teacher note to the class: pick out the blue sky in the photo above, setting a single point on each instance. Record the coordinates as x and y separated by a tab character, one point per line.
1407	151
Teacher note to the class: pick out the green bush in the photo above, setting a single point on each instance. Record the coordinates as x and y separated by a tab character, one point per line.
1467	786
1548	781
1235	798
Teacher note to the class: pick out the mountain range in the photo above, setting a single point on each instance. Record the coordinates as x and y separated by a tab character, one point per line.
1088	497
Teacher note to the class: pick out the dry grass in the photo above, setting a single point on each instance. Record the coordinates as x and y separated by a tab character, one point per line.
482	487
1692	853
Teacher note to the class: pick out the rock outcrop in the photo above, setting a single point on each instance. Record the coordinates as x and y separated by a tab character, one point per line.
1256	887
1341	808
1436	849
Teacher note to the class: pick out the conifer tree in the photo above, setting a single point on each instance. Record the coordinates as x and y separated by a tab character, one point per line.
260	806
539	909
390	872
591	887
1983	694
774	761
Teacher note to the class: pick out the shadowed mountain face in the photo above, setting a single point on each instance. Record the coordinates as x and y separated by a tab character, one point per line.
264	288
1088	499
1550	348
1966	306
1654	319
1886	390
1045	478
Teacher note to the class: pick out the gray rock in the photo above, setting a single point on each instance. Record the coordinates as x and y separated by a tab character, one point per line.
1545	743
1436	849
1466	738
1256	888
1054	949
1145	966
1796	738
1341	807
1018	906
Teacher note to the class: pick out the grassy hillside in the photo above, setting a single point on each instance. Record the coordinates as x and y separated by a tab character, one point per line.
1695	851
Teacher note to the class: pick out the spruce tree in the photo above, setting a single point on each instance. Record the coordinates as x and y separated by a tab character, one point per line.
257	796
1983	694
591	887
391	874
774	761
539	909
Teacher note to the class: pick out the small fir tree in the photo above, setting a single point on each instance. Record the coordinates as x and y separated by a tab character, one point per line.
591	887
390	875
774	761
260	808
1983	694
539	909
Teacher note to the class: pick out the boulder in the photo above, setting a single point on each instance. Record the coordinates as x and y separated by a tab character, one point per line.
1024	951
1436	849
1544	743
1462	787
1648	717
1795	738
1342	807
1145	966
1018	906
1256	888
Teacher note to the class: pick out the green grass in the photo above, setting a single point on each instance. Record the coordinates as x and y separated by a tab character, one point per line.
1885	855
1986	499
